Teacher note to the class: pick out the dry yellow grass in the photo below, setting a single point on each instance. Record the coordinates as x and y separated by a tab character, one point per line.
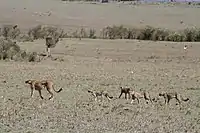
77	14
104	65
100	64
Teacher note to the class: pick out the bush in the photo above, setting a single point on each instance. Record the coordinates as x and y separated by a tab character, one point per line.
83	33
41	32
197	34
9	50
35	32
150	33
192	35
13	32
24	38
159	34
10	31
175	37
75	34
33	57
109	32
133	33
115	32
92	34
146	33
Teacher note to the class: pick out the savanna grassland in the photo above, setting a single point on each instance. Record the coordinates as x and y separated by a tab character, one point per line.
101	64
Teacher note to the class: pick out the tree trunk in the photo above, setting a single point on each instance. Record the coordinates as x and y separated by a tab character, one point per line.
48	52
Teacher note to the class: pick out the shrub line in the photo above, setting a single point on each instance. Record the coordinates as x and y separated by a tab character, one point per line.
109	32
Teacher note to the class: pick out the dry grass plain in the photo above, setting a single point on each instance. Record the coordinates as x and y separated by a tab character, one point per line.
102	65
73	15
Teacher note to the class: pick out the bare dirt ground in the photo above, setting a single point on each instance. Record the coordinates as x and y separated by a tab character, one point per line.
101	65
